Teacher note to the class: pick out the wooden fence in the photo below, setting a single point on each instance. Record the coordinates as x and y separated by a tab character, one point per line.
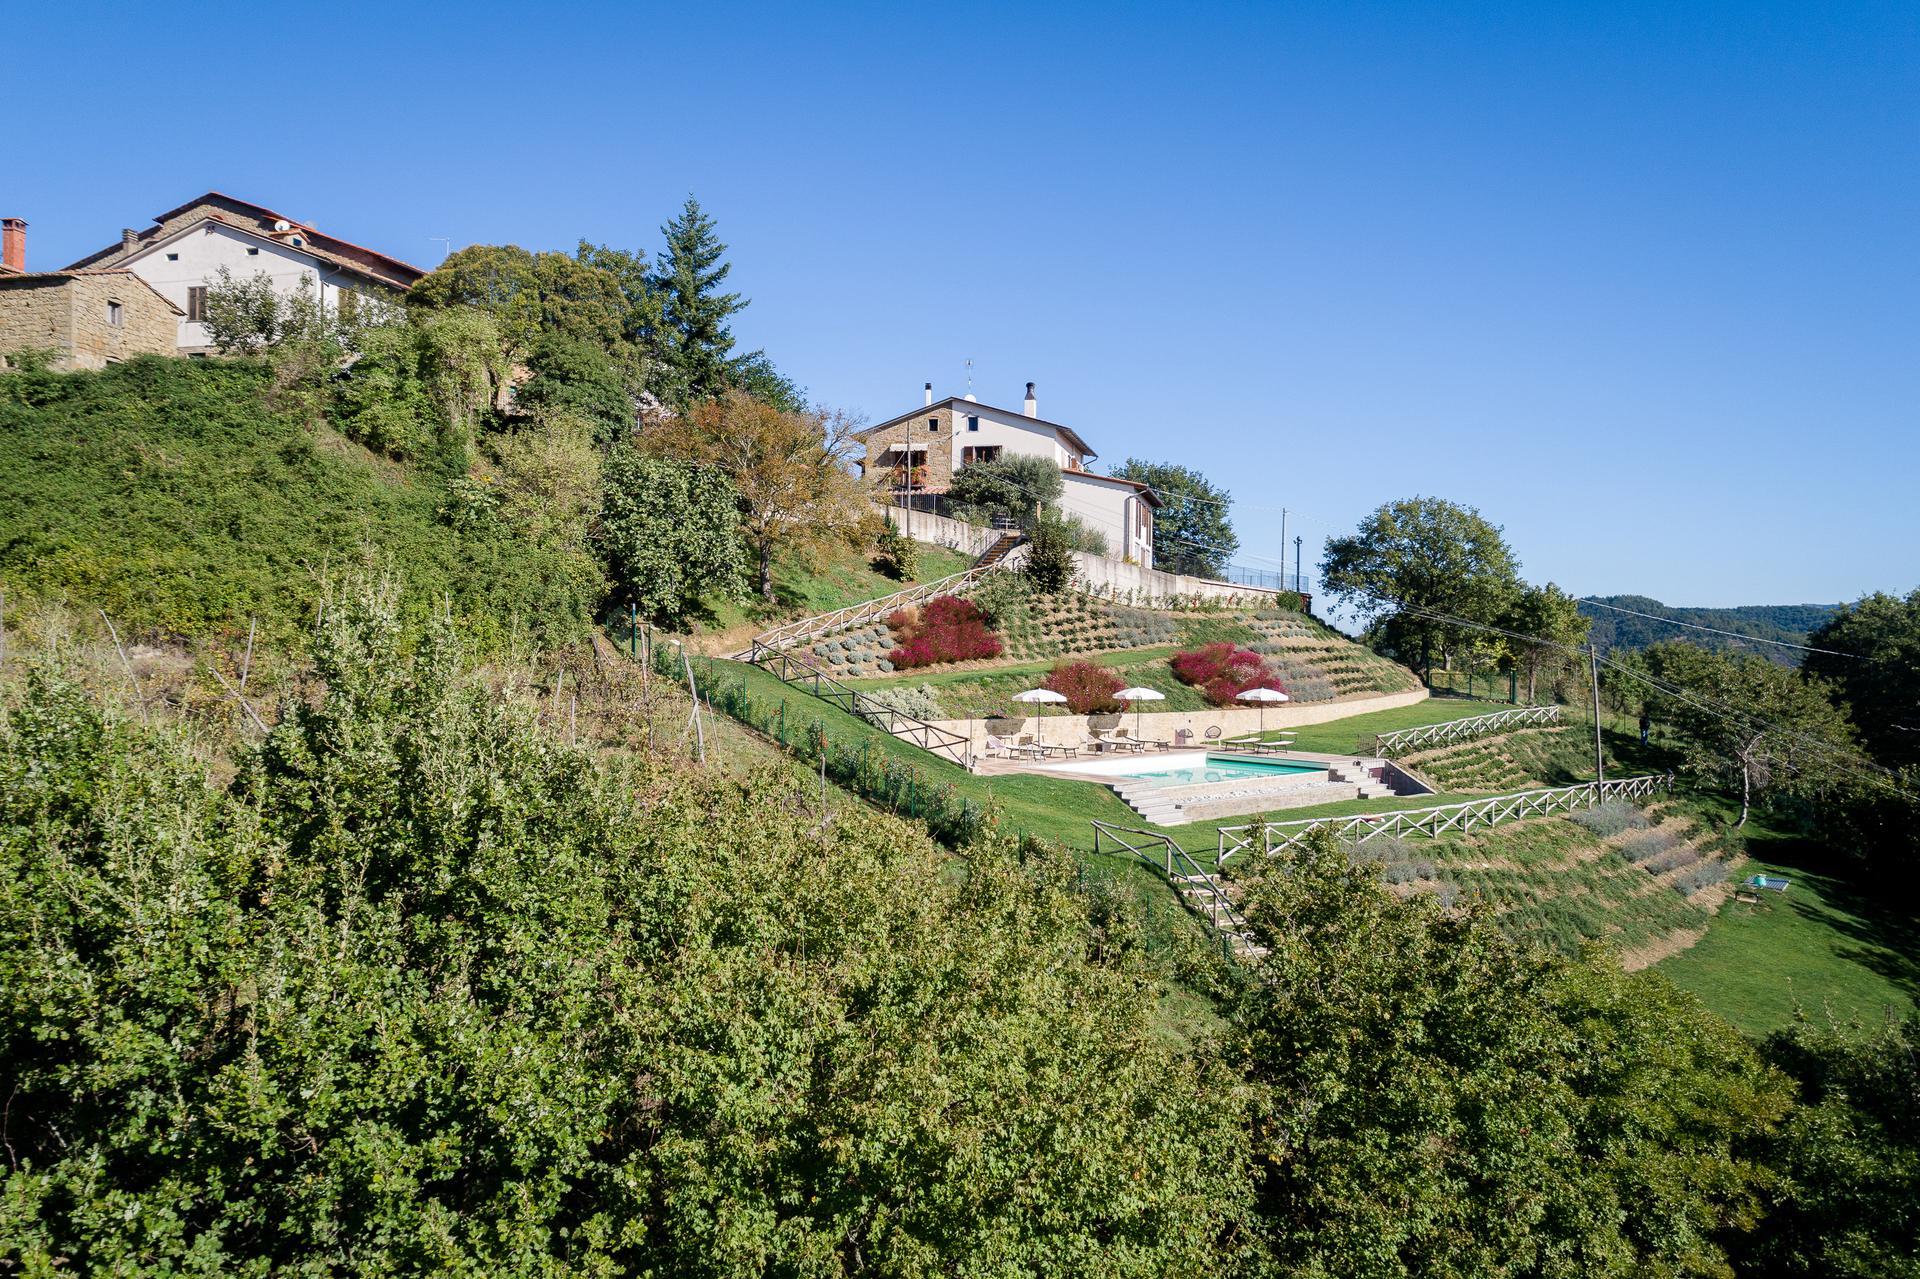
1203	893
791	670
1278	837
807	628
1408	740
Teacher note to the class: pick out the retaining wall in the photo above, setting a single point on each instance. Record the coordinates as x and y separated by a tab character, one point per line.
1066	729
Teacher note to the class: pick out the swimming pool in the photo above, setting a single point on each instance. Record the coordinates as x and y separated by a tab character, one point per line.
1190	768
1215	769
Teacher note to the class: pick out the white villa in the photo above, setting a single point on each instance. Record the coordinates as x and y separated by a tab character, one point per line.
911	460
186	247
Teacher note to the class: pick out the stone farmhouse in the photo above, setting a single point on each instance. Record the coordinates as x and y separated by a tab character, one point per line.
165	269
911	460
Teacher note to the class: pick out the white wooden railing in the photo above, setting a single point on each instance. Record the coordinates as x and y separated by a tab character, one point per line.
1198	889
1408	740
1272	838
800	630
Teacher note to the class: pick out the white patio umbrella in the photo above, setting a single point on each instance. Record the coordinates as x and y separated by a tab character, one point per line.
1139	695
1033	695
1263	696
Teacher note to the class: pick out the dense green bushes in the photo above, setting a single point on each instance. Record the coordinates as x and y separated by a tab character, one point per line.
168	493
423	991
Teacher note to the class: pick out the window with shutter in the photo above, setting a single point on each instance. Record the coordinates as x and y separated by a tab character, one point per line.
197	303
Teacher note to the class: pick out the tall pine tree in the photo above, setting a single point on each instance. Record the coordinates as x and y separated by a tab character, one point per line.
698	341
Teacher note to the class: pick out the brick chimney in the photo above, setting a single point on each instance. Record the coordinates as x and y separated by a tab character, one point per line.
1032	405
129	239
13	242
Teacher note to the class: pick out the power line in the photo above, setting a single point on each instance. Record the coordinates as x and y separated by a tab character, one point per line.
1714	630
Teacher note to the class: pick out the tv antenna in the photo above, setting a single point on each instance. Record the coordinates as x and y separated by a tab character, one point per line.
447	241
969	379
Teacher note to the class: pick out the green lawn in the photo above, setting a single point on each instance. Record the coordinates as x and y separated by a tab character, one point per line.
1823	944
1048	807
1354	735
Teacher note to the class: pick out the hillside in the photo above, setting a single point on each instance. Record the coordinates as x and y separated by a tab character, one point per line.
1789	622
169	494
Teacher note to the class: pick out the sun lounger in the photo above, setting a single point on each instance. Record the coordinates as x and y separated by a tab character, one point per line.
1262	745
1139	743
1110	742
1013	750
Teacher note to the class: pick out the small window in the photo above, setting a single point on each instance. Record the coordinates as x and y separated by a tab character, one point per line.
973	422
115	315
933	424
253	253
197	303
173	257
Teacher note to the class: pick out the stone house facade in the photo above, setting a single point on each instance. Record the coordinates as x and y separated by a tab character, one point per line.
91	318
946	436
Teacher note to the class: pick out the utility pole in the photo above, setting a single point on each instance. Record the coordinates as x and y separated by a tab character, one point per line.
1599	760
1298	585
1283	541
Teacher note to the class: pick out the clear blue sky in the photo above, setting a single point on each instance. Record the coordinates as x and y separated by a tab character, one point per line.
1642	282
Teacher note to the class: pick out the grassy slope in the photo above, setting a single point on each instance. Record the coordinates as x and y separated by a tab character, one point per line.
164	492
1824	944
821	582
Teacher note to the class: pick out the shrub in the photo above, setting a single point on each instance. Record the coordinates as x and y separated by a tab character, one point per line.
1701	876
947	629
1614	817
1647	845
1088	686
921	702
1672	859
1222	671
901	553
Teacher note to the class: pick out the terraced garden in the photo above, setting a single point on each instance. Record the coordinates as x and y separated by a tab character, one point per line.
1511	761
1644	882
1316	663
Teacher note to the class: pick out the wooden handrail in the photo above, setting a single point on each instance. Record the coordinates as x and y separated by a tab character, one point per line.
1387	745
931	738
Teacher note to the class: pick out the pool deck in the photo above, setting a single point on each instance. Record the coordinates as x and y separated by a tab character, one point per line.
1345	777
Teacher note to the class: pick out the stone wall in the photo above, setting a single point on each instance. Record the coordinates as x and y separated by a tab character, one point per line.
936	468
68	313
148	325
36	315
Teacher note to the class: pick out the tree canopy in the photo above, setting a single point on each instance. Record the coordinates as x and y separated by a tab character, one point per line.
789	469
1014	486
671	534
1419	556
1192	533
1880	681
698	338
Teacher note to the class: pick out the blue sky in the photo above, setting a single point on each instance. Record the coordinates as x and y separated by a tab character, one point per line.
1638	281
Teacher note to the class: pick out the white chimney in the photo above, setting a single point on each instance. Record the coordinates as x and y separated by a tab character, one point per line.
929	395
1033	407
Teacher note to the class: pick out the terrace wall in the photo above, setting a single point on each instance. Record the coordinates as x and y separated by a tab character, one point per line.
1232	721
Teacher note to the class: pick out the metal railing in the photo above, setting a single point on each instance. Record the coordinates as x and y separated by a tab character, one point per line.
1408	740
806	628
1180	869
1270	838
790	670
1267	579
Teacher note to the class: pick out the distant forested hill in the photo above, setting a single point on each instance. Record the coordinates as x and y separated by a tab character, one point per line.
1789	622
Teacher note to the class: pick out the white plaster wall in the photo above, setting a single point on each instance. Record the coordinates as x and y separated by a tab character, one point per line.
204	249
1012	432
1109	508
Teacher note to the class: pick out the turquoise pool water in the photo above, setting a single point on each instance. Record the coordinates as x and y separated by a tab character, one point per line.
1227	770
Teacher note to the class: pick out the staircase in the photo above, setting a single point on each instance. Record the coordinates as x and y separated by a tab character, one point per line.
1001	548
1366	775
1203	894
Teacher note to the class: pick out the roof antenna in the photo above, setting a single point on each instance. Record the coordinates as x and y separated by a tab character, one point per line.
969	379
446	252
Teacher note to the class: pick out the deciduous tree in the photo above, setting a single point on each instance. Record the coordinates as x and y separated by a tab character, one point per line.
671	534
1747	723
1416	557
1880	682
1015	487
1553	618
789	469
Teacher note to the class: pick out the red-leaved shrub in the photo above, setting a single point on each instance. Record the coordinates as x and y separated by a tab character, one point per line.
1222	672
1088	686
946	629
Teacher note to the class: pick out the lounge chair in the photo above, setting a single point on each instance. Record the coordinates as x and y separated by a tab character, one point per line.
1139	743
1111	742
1013	750
1262	746
1029	742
